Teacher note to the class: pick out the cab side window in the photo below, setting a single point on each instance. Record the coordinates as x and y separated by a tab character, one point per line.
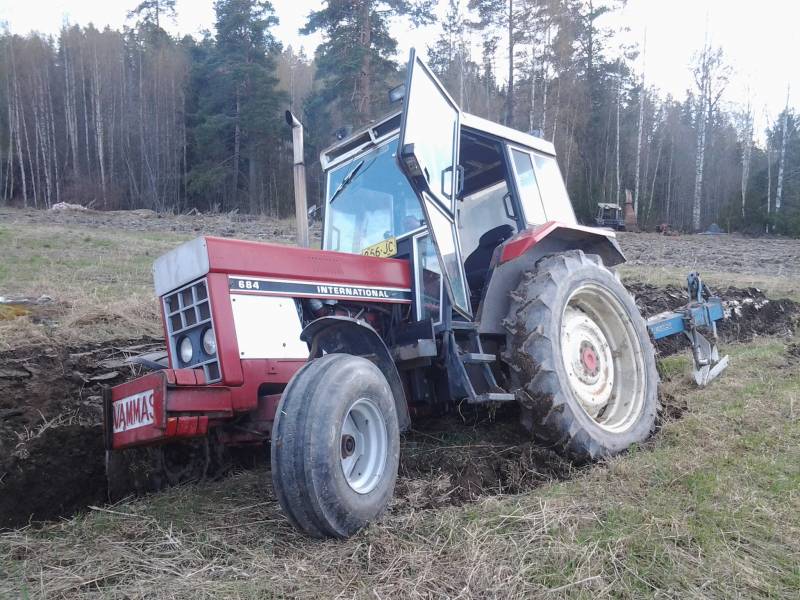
530	196
551	185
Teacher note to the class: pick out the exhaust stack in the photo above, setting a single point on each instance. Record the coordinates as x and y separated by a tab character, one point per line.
300	200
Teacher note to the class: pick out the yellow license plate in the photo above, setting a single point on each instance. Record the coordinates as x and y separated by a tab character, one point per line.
383	249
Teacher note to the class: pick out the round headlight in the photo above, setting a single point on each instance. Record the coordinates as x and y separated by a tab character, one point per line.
209	342
186	350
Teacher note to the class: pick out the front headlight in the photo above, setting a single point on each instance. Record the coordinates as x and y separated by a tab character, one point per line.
209	342
186	350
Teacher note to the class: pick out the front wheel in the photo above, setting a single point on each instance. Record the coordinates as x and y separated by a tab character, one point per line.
581	358
335	446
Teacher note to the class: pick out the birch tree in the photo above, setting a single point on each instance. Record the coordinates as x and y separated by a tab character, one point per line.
746	140
642	96
711	77
782	155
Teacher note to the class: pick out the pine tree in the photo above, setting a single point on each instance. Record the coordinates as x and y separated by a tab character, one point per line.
150	16
355	61
238	105
510	17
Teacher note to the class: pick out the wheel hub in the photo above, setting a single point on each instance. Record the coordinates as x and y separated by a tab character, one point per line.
602	357
588	360
348	446
587	357
364	446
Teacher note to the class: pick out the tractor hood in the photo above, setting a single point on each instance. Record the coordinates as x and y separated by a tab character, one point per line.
284	270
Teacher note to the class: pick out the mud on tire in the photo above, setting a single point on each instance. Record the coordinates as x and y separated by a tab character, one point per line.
580	358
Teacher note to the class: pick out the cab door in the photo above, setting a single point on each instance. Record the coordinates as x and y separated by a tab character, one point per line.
428	155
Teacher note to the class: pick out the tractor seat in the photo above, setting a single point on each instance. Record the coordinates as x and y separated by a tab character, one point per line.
477	264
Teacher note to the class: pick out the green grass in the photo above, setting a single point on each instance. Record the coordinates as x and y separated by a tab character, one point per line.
75	262
710	508
100	282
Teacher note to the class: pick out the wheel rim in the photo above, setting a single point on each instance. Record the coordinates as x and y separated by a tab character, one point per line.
364	446
603	358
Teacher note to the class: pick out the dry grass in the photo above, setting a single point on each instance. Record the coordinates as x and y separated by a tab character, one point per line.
99	278
709	509
99	283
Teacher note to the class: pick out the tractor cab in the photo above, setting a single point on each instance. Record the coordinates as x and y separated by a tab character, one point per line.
441	188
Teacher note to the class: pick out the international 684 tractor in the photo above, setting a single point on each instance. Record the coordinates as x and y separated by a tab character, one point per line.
452	270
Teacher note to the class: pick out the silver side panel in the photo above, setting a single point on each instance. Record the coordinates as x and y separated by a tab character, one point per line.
267	327
180	266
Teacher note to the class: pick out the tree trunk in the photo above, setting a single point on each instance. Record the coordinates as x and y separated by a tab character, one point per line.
532	111
769	179
667	215
252	188
237	143
619	101
558	109
782	157
639	151
747	144
17	123
545	84
70	109
510	89
98	125
363	103
699	163
85	115
655	174
642	95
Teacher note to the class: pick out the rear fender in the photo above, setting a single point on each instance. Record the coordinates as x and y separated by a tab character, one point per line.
353	336
520	254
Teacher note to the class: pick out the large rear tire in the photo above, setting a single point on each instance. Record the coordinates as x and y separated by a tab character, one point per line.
335	446
581	358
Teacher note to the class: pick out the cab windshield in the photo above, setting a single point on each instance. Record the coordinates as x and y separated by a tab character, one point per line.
369	200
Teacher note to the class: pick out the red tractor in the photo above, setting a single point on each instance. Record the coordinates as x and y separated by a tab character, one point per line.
452	270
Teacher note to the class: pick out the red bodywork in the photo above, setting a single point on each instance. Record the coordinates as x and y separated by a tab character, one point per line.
178	403
524	241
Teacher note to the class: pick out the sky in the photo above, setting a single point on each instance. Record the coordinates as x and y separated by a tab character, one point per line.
760	39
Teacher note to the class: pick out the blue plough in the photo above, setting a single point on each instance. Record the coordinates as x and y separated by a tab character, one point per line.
702	311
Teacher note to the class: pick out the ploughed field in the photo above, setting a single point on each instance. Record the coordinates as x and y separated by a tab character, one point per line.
707	507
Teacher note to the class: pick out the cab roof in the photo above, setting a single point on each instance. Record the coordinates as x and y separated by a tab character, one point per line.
389	125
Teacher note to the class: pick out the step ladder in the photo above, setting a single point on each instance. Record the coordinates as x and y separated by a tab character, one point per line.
469	370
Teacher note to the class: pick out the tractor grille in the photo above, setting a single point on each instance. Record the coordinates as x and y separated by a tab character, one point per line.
188	311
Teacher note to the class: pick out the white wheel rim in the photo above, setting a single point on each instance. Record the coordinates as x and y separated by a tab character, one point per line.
364	446
603	358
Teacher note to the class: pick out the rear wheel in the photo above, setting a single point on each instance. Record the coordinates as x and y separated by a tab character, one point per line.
335	446
581	357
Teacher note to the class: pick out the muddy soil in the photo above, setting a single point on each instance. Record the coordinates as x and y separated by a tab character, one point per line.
733	253
51	450
457	458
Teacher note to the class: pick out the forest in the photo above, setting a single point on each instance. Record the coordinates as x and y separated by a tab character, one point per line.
138	118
